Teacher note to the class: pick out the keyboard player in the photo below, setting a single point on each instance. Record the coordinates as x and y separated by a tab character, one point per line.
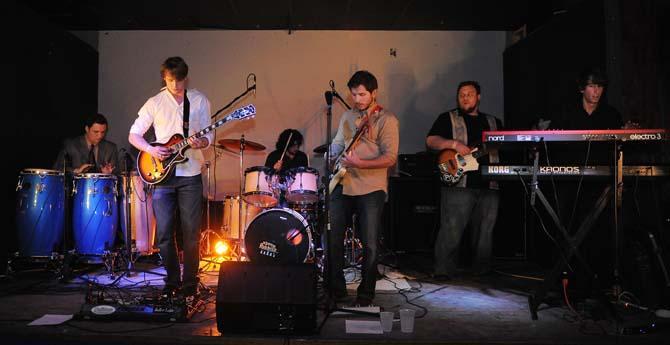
589	111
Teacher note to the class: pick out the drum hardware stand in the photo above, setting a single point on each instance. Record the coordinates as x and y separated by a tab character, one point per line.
250	78
240	238
352	244
205	235
128	238
65	270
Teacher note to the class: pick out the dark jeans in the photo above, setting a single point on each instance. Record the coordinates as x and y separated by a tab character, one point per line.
369	209
460	206
183	195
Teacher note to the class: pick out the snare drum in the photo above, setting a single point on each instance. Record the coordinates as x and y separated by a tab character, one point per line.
258	189
303	185
94	213
279	235
231	216
142	221
40	215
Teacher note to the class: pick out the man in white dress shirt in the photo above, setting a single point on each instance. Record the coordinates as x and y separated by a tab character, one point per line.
181	192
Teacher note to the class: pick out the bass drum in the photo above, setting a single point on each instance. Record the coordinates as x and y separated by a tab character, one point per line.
279	236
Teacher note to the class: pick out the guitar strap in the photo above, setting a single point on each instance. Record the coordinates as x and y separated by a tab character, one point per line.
187	113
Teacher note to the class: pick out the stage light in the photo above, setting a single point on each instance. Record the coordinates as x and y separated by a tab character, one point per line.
221	247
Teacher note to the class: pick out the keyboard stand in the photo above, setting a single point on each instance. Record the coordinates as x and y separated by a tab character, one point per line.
572	243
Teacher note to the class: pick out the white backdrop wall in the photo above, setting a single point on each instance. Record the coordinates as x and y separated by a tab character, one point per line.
293	72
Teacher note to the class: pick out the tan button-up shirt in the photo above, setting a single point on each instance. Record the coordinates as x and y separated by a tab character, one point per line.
382	139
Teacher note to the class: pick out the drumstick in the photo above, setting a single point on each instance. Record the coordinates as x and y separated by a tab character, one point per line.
286	146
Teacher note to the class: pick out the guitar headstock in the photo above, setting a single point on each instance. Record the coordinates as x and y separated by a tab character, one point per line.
244	113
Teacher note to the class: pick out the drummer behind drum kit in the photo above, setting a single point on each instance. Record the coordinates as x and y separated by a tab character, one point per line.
96	203
268	233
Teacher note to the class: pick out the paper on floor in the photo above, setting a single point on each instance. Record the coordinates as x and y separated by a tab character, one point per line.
363	327
50	319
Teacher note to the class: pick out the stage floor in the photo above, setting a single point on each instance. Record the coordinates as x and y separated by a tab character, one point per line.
467	309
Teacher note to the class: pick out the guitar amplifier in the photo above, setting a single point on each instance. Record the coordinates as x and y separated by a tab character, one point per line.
422	164
266	298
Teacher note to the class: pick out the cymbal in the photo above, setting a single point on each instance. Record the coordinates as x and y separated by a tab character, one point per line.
321	148
233	145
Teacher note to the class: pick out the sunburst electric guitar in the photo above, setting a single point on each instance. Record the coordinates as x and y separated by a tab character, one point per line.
452	165
153	170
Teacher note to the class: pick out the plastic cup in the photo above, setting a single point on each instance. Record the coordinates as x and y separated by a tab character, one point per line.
407	320
386	318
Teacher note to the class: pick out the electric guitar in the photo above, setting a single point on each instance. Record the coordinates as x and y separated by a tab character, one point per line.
338	170
153	170
452	165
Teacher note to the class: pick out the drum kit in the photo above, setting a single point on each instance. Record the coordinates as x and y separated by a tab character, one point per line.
260	229
61	215
49	200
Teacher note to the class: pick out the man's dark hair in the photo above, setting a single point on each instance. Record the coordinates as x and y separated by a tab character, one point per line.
469	83
592	76
176	66
97	118
364	78
283	138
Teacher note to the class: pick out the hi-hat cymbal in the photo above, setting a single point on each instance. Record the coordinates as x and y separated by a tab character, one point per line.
233	145
321	149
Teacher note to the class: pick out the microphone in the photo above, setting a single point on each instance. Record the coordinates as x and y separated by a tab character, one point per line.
253	87
329	98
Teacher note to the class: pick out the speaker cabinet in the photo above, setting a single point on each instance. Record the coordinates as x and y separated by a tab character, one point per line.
414	213
266	298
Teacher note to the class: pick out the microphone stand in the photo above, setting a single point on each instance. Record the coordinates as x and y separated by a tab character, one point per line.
335	94
66	268
126	219
249	89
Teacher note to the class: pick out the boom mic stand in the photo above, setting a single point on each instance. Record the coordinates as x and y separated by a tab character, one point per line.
337	95
249	89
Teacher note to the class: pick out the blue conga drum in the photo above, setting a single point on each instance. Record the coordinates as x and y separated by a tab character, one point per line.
40	212
94	214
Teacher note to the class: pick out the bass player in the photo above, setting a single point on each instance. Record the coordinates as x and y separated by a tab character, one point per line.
472	200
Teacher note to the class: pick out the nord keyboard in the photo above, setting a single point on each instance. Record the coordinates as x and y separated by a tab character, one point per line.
569	172
575	135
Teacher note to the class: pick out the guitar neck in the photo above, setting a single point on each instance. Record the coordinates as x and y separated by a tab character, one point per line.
479	153
246	112
359	132
184	143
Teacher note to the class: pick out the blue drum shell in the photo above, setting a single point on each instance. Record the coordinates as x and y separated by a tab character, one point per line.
95	213
40	215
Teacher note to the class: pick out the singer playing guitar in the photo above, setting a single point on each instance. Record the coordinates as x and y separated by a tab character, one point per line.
362	190
176	110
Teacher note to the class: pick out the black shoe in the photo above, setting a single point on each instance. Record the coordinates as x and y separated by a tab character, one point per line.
482	271
362	302
340	296
441	278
